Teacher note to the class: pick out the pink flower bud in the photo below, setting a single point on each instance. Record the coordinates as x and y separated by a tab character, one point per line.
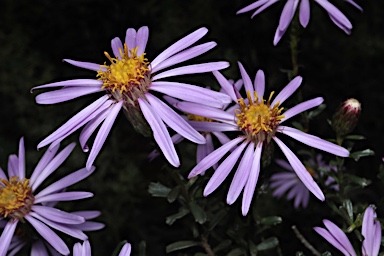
346	117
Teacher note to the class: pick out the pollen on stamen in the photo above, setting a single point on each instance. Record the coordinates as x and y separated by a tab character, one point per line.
257	118
16	198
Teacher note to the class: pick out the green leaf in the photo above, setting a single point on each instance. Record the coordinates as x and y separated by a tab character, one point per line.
347	204
180	245
158	190
326	254
236	252
362	182
271	220
172	218
355	137
173	194
268	244
363	153
217	218
316	111
198	212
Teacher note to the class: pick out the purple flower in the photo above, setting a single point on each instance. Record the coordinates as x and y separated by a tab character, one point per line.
85	249
259	120
19	201
127	83
289	10
371	230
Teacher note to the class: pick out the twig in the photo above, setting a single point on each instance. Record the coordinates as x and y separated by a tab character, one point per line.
305	242
206	246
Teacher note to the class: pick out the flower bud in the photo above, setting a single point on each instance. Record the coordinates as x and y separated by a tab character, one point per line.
346	117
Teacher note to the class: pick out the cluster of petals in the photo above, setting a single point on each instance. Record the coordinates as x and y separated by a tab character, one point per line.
85	249
43	217
289	10
371	230
104	110
247	173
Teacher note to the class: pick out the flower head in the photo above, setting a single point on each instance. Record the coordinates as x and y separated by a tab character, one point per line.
289	10
258	121
19	201
371	230
346	117
127	82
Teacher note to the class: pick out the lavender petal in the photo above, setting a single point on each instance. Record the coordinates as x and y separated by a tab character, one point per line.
224	83
206	111
65	94
259	83
86	65
117	46
90	127
303	106
21	165
247	80
70	83
126	250
252	6
57	215
340	237
130	38
63	196
13	165
304	13
287	91
142	39
6	236
203	126
287	14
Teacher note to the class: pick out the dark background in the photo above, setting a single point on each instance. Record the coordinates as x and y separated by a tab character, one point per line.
36	35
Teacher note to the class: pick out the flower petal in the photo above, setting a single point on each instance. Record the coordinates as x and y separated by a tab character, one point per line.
70	83
6	236
21	167
63	196
252	6
287	14
117	46
246	79
126	250
340	237
86	65
130	38
65	94
303	106
160	133
13	165
57	215
212	126
304	13
335	13
142	39
206	111
314	141
260	83
288	90
224	83
262	8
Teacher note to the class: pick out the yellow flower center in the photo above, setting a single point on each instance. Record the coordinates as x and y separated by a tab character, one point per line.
198	118
126	78
258	119
16	198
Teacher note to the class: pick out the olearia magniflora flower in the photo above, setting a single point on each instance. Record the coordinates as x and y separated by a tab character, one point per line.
371	231
288	182
20	203
258	120
289	10
85	249
197	122
127	83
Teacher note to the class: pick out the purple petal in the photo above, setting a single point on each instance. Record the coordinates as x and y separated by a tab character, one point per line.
21	165
160	133
117	46
65	94
314	141
63	196
86	65
224	83
126	250
180	45
335	13
247	80
252	6
250	186
221	137
287	14
368	231
284	164
177	138
201	152
206	111
174	120
142	39
130	38
76	121
87	214
71	83
340	25
192	69
224	169
262	8
260	84
90	127
66	181
6	236
74	232
90	226
354	4
13	165
278	35
214	157
212	126
241	175
184	56
52	166
48	235
103	133
287	91
303	106
191	93
340	237
300	170
57	215
2	175
304	13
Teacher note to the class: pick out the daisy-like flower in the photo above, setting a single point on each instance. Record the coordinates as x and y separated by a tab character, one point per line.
85	249
289	182
127	83
259	120
20	203
371	230
289	10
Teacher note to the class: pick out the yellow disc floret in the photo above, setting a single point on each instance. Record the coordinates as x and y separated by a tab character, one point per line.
257	118
125	74
16	197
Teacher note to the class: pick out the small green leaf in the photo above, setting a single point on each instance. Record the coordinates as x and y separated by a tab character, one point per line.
236	252
271	220
355	137
347	204
180	245
268	244
158	190
173	194
326	254
363	153
362	182
172	218
198	212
